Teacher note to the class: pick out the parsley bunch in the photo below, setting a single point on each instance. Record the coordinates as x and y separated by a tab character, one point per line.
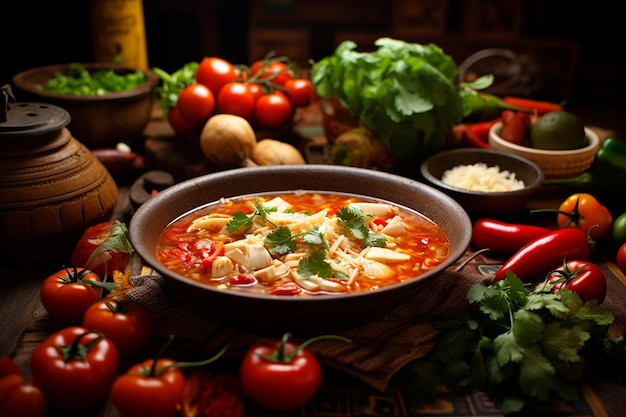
521	346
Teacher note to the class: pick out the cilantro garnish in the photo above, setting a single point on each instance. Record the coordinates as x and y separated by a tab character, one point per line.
523	346
282	241
353	219
314	237
315	264
241	219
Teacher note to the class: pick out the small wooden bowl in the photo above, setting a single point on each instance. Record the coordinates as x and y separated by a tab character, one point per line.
96	121
499	204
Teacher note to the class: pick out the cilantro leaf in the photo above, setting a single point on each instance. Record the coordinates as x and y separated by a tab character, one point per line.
241	219
281	240
353	219
315	264
314	237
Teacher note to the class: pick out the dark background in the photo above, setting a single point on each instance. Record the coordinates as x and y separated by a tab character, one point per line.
51	33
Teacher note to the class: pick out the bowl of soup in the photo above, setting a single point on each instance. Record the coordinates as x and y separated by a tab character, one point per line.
291	247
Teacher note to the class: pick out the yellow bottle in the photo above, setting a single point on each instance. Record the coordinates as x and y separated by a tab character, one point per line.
118	32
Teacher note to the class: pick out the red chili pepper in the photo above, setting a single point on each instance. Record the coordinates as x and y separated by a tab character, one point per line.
504	237
537	258
463	134
514	128
481	129
541	107
380	222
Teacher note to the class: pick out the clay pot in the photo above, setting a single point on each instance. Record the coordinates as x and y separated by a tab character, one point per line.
51	186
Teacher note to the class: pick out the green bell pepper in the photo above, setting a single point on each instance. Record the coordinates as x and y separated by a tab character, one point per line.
607	174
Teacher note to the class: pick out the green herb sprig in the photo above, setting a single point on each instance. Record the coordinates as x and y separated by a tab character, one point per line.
521	346
354	220
281	241
242	220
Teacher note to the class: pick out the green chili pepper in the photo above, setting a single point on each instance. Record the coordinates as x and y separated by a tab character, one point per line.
606	174
480	107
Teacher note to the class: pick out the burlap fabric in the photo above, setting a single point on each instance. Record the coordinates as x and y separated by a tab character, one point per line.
378	349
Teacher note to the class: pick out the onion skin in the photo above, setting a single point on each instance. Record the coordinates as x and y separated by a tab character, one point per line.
275	152
227	140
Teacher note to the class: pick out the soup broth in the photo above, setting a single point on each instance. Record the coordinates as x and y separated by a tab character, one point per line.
302	244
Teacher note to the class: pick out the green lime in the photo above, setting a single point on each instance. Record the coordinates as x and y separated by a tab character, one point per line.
558	130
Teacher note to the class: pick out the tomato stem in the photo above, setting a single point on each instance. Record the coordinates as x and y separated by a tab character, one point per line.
281	356
574	216
77	351
204	362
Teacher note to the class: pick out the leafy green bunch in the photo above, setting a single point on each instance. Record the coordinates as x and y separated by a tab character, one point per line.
403	92
80	81
521	346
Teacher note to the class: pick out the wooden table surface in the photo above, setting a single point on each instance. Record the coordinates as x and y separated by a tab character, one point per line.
20	308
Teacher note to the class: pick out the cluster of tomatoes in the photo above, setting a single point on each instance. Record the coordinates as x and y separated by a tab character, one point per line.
77	367
266	94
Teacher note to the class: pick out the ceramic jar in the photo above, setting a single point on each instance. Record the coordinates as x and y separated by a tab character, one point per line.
51	186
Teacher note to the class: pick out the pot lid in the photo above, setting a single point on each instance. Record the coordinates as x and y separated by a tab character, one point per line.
21	120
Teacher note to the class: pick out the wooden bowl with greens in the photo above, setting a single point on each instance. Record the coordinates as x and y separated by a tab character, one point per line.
107	103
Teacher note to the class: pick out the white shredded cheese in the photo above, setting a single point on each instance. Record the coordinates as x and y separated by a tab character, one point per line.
480	177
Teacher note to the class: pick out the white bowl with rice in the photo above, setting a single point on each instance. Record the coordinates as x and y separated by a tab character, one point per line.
485	182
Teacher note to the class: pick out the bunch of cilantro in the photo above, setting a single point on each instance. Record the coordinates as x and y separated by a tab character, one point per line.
521	346
405	93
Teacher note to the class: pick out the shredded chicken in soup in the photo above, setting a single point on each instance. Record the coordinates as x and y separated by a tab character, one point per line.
302	244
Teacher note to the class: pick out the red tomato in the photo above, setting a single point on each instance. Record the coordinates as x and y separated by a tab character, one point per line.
582	277
215	73
300	91
236	98
20	398
9	367
127	323
103	248
274	70
68	293
273	110
256	89
283	384
196	103
75	368
621	258
181	125
149	389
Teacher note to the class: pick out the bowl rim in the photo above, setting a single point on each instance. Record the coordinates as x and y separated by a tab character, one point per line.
137	222
594	142
427	163
20	80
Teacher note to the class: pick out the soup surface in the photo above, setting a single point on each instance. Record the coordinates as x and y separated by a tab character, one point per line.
302	244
